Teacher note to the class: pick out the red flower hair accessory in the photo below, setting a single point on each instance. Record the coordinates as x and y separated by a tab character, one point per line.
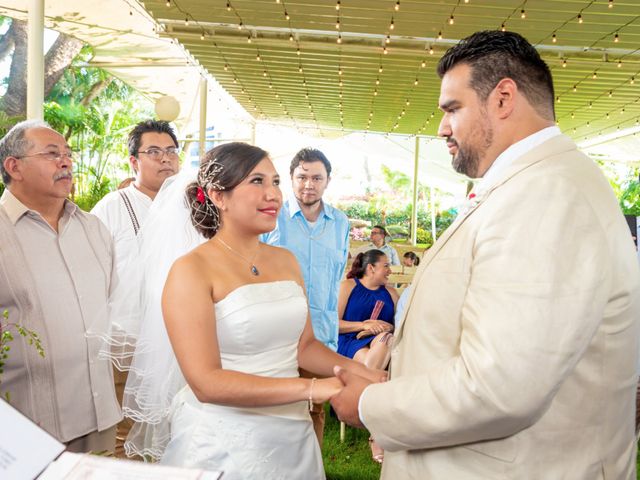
200	195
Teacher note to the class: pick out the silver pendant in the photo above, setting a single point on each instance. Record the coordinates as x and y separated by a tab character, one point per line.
255	270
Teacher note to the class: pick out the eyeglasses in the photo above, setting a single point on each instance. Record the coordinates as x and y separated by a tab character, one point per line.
52	156
375	232
159	153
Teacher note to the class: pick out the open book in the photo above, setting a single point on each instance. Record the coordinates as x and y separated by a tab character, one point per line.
28	452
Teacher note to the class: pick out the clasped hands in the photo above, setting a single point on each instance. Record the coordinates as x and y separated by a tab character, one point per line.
374	327
344	390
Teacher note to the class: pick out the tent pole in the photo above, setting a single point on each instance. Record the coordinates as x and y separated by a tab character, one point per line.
414	200
35	60
203	118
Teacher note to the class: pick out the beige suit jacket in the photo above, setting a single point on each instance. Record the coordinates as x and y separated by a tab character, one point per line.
516	358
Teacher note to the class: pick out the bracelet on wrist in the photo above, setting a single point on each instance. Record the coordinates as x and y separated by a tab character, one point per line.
313	380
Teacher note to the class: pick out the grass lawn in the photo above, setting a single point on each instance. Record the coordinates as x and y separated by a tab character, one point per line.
350	460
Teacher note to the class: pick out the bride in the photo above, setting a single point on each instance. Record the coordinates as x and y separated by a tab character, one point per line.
237	320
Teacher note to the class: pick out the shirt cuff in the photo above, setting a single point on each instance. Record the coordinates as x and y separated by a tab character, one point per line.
360	406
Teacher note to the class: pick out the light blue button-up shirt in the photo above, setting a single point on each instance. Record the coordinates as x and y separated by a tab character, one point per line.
321	251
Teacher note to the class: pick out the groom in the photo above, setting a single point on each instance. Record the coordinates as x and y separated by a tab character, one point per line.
517	355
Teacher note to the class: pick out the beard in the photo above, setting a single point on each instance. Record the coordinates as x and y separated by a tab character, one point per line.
467	160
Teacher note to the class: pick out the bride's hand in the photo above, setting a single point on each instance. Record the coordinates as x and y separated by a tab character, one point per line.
371	374
325	388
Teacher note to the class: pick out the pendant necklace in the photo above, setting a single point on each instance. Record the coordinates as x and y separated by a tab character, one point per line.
254	269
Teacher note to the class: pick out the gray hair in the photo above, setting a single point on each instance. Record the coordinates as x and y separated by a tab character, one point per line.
13	144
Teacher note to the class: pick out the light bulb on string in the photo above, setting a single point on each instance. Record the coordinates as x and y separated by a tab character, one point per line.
633	80
168	3
286	15
337	23
554	38
423	64
258	58
580	20
291	37
228	6
186	21
610	93
616	38
339	40
385	51
397	6
610	3
430	50
338	5
523	14
202	36
387	40
451	20
564	63
440	35
575	88
594	76
503	27
240	26
619	63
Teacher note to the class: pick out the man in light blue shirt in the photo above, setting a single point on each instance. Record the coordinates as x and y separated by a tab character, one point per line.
378	236
318	235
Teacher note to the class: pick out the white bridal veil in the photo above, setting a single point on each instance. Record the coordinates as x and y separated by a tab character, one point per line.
137	324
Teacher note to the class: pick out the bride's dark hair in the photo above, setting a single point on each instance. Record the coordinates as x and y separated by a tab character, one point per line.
222	168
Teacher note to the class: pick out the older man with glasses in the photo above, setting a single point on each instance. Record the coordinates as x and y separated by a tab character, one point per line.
56	274
154	156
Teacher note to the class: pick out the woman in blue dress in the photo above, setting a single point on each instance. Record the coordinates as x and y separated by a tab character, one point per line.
365	337
366	307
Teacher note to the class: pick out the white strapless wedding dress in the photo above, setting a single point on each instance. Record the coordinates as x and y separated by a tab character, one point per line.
258	326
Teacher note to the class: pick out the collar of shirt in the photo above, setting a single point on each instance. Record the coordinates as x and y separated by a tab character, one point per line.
515	151
16	209
294	208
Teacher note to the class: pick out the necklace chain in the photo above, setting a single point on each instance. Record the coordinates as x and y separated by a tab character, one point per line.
254	269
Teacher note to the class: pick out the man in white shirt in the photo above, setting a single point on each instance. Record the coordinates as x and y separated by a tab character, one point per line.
154	156
516	357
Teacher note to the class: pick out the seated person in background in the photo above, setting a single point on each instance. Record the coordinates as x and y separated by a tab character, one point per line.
365	309
378	241
410	259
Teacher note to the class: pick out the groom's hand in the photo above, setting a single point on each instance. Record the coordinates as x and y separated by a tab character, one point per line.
345	402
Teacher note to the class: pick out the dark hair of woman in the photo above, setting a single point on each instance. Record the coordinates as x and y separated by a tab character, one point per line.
414	258
223	168
362	260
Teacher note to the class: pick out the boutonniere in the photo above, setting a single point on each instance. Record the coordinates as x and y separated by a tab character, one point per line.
472	201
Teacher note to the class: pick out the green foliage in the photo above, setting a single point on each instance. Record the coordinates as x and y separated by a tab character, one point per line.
7	336
624	181
424	236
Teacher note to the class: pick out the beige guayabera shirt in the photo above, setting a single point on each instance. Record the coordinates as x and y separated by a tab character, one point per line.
70	275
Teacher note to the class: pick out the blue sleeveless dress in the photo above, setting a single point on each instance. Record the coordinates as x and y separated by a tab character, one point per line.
359	307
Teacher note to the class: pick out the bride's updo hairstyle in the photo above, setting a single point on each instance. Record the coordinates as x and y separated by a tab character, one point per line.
222	169
362	260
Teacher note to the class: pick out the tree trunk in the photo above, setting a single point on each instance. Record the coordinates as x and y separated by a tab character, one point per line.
6	43
59	57
14	102
95	90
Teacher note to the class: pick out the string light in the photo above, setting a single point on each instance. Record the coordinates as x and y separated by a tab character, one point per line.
619	63
228	6
258	58
168	3
291	37
564	63
575	88
249	39
380	69
186	21
610	93
610	3
554	39
387	40
423	64
440	35
397	7
240	26
580	18
298	51
616	38
226	67
286	15
430	50
503	27
523	14
415	82
338	23
339	40
451	20
338	5
633	80
594	76
385	51
392	25
202	36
